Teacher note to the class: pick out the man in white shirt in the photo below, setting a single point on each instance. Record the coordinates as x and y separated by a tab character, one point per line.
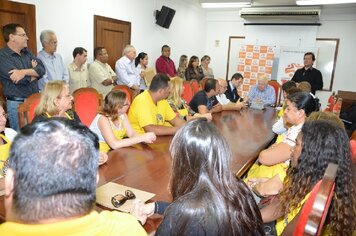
126	70
78	70
222	99
53	62
101	76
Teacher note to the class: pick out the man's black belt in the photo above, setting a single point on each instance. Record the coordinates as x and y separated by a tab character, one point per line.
16	99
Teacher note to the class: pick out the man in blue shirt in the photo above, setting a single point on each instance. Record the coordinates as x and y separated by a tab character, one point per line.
55	69
19	70
262	92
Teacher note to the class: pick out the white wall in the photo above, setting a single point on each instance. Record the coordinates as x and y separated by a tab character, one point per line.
337	23
72	20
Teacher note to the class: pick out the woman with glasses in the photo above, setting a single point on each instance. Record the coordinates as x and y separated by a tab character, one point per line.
56	101
6	137
208	199
112	125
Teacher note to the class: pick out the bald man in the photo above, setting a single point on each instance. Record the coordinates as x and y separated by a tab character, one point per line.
226	103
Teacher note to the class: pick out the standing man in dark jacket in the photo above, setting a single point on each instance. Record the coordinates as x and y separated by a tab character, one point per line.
309	73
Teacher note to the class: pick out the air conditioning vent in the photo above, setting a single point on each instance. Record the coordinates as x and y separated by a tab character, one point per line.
280	12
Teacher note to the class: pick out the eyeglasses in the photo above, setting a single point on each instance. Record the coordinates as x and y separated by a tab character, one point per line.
5	115
119	199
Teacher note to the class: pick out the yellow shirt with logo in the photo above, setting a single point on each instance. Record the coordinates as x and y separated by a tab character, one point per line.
106	223
144	111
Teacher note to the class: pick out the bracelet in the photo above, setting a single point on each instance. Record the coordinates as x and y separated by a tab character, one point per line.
156	208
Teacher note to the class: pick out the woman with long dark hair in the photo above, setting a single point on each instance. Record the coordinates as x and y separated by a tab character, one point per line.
208	199
318	144
194	71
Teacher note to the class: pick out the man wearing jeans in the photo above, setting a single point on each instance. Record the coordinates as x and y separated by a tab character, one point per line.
19	70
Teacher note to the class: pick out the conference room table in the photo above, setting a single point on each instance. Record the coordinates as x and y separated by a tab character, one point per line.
148	166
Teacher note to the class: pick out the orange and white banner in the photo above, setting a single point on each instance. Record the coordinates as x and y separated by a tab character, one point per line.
253	62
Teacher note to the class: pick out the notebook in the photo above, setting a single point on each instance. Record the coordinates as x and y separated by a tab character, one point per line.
105	192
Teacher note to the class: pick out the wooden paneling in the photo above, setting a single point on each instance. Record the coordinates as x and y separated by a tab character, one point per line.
112	34
21	13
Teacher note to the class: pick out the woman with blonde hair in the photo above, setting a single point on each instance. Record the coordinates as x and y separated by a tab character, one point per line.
178	104
183	62
56	101
112	125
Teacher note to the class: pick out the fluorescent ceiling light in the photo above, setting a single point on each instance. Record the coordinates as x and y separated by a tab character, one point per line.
225	4
323	2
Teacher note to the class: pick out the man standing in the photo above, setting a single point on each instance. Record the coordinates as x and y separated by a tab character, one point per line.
164	64
226	103
309	73
262	92
150	110
205	101
126	70
51	190
78	70
101	76
55	69
233	84
19	70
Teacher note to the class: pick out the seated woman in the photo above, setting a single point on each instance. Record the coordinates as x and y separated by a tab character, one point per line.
177	103
275	160
208	199
194	71
56	101
6	137
113	124
318	144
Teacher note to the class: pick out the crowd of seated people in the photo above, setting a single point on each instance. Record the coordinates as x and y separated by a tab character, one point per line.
207	196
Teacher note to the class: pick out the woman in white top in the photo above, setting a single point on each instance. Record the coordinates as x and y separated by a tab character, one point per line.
113	124
141	62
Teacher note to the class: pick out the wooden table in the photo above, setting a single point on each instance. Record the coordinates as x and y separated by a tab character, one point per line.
147	166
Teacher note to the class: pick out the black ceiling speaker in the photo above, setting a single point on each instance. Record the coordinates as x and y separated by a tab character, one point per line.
165	16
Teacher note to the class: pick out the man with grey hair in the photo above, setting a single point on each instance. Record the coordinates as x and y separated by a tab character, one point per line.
224	101
126	70
55	68
262	92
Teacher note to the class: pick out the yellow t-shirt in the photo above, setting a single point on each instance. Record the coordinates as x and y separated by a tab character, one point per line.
119	133
4	152
283	221
106	223
144	111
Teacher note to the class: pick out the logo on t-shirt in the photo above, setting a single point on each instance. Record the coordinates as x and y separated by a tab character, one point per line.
159	119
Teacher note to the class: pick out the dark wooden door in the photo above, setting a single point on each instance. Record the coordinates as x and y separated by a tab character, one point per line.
23	14
112	34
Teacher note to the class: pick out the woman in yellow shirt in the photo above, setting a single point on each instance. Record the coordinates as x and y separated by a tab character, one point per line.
113	124
177	103
318	144
6	137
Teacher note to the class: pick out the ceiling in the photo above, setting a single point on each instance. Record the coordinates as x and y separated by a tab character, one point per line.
271	3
